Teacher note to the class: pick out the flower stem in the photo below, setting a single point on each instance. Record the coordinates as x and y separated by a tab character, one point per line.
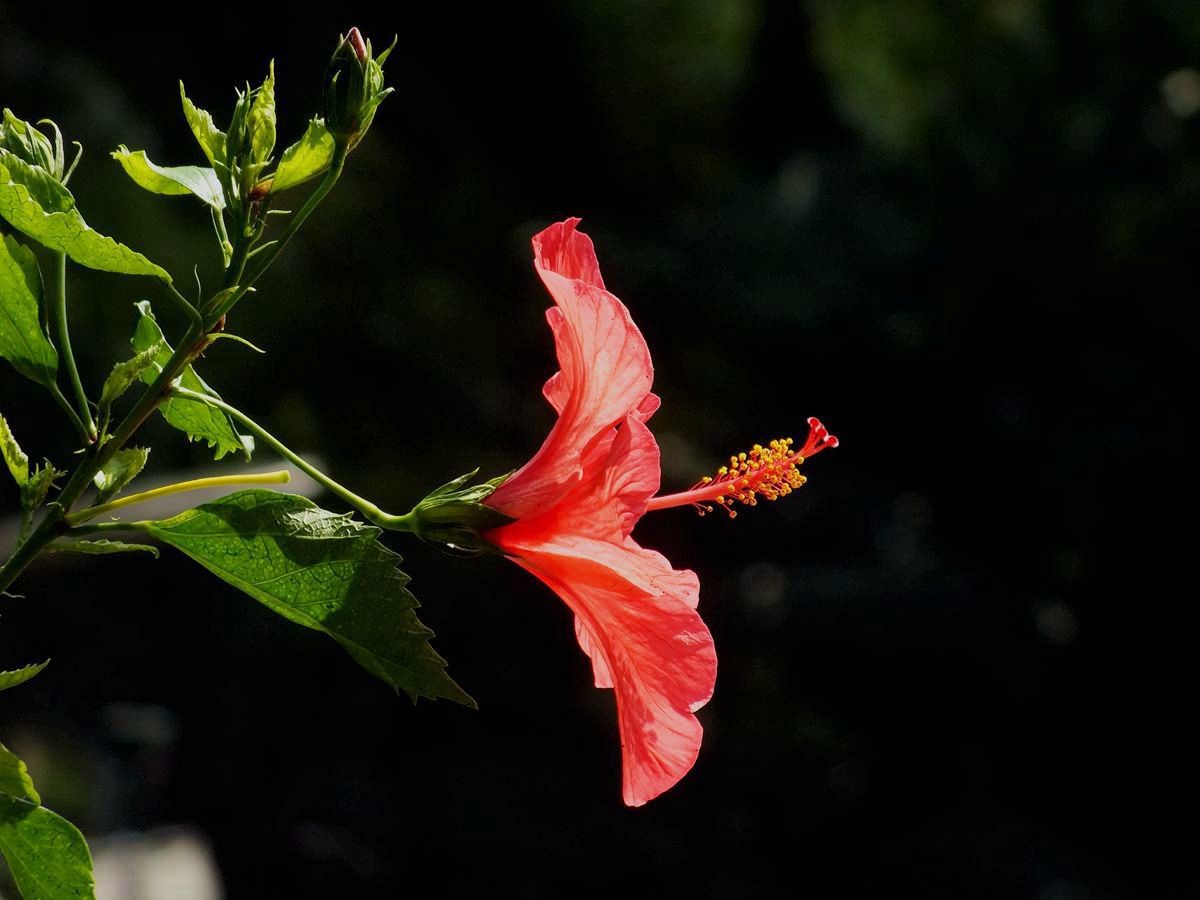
61	400
369	510
57	308
195	484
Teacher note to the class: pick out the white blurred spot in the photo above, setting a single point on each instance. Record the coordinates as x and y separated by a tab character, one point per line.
166	862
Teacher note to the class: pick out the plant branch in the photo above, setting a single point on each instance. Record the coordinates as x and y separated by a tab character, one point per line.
57	308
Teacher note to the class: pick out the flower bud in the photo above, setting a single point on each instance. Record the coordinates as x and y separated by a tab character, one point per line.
455	516
29	145
353	87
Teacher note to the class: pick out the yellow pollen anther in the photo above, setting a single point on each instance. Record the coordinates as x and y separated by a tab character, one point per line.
762	472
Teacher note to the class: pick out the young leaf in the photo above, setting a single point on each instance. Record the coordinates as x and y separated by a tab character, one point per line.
34	491
196	420
171	180
124	374
210	138
320	570
305	159
48	857
22	340
115	474
34	203
100	548
260	122
14	456
12	678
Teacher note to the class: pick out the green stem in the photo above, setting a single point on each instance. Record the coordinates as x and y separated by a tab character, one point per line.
61	400
58	314
193	314
283	476
369	510
270	255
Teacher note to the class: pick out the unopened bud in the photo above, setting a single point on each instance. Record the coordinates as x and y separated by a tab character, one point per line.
353	87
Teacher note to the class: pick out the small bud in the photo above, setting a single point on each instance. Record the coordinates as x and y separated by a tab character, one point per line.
353	88
30	146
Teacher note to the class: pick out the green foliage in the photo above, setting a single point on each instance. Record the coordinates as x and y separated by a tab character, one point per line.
196	420
124	374
24	141
171	180
34	485
260	123
13	677
306	159
46	854
210	138
23	342
320	570
34	203
115	474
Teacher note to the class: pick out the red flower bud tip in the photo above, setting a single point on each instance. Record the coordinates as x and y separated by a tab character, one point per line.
355	39
769	472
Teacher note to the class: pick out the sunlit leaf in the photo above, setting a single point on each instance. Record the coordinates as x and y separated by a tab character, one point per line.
124	374
22	340
14	457
46	854
171	180
305	159
210	138
121	469
197	420
13	677
320	570
37	205
100	548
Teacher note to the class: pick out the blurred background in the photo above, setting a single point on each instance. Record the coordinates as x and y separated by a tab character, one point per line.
962	233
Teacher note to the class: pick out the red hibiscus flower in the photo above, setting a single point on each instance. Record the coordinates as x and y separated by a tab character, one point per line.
578	499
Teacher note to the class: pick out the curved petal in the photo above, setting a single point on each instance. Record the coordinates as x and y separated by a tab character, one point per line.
605	371
658	655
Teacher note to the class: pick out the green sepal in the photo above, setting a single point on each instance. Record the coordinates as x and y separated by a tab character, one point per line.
13	677
173	181
321	570
37	488
34	203
23	342
125	374
197	420
124	466
14	457
210	138
455	514
100	548
46	854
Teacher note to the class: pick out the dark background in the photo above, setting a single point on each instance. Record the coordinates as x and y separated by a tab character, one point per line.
964	234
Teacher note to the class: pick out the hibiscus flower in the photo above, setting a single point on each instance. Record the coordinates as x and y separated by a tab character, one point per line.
578	499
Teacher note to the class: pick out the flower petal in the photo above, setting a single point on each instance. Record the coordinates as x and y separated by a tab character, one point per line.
605	371
658	655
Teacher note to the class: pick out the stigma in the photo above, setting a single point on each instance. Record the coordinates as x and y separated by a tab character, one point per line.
764	472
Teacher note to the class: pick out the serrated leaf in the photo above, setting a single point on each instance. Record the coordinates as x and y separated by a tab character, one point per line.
305	159
171	180
122	468
210	138
100	548
124	374
320	570
260	121
13	677
48	857
22	340
14	457
197	420
37	205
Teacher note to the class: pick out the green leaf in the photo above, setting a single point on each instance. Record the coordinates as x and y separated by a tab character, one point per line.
305	159
48	857
320	570
115	474
210	138
260	122
12	678
197	420
124	374
14	456
22	340
37	205
171	180
34	491
100	548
